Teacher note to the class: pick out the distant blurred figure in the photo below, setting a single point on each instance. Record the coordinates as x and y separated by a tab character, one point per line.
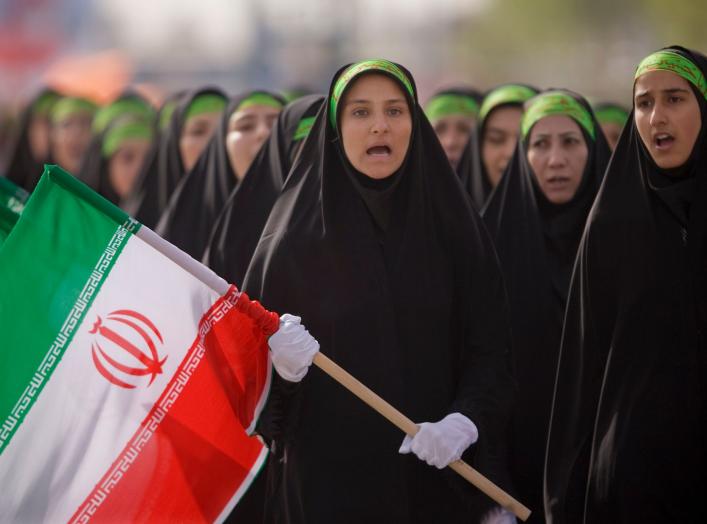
612	118
123	132
453	113
492	144
70	132
31	147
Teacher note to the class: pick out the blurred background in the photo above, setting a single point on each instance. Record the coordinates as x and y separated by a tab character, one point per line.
97	47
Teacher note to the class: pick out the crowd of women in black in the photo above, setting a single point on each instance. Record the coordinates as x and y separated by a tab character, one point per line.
485	263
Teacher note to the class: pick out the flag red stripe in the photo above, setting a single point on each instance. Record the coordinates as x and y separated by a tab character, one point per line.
191	454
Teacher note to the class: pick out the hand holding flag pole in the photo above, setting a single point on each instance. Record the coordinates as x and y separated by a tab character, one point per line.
409	427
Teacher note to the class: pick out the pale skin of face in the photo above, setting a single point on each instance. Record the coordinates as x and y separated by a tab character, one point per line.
612	132
667	117
248	129
501	131
376	125
38	137
70	138
196	133
125	164
453	132
557	153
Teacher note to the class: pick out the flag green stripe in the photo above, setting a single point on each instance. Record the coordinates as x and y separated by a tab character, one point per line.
52	266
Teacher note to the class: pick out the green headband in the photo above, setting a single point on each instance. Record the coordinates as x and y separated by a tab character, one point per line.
555	103
69	106
611	115
451	104
125	106
122	131
166	114
303	128
364	67
508	94
44	104
202	104
666	60
259	99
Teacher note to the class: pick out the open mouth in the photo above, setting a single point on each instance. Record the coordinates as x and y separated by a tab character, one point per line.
663	140
381	151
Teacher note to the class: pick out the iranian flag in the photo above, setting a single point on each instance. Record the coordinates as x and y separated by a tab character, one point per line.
130	375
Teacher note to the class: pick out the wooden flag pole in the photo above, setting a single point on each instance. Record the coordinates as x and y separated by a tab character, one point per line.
344	378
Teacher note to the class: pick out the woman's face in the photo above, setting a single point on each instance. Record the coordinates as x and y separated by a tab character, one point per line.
376	125
125	164
557	153
196	133
667	117
248	129
70	138
38	137
453	132
501	131
612	132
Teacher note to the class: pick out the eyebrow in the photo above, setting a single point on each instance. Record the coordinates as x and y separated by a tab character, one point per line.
668	91
363	101
563	134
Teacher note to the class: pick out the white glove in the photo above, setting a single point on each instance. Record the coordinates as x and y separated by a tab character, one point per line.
292	349
441	443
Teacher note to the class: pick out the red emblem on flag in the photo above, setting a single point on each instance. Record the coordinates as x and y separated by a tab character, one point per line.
126	348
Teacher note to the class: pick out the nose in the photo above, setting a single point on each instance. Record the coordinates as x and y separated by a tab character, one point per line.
380	124
557	157
262	133
658	115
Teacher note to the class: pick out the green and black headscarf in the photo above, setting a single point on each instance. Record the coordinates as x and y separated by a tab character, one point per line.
460	101
238	228
129	116
536	242
627	437
399	271
471	167
198	199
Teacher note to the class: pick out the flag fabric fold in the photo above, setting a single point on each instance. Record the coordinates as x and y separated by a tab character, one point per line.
130	375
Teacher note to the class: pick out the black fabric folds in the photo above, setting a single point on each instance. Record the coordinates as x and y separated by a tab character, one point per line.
163	168
416	311
24	169
471	168
627	436
200	196
537	242
241	222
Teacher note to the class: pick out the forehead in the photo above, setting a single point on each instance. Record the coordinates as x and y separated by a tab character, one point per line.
254	111
505	117
454	119
654	81
374	87
555	124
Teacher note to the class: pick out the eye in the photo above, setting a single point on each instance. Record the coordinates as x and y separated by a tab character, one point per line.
571	141
359	112
395	111
245	128
674	99
496	139
541	143
643	103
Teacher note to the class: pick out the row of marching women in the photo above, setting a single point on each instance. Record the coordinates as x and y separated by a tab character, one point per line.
522	274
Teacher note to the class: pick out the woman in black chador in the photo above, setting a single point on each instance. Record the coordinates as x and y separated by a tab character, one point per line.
536	217
374	243
237	230
627	433
201	194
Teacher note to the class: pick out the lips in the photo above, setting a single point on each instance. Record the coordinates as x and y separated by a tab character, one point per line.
663	141
379	151
557	182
